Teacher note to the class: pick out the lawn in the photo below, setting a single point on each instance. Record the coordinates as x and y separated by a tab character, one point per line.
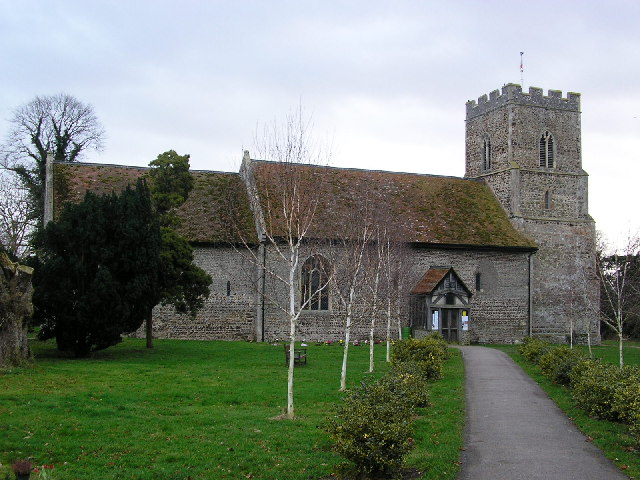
199	410
612	438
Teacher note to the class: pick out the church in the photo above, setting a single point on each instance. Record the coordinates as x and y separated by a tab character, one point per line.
505	252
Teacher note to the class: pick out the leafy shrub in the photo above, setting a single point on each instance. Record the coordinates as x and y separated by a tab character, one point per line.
558	362
409	381
594	384
626	400
427	353
533	348
372	428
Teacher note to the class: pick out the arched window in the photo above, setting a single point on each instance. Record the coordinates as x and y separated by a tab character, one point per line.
486	154
546	150
315	291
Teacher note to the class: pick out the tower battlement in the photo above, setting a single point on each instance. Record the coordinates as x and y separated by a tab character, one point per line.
512	93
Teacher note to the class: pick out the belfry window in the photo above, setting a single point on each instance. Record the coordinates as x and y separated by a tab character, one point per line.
315	291
546	150
486	154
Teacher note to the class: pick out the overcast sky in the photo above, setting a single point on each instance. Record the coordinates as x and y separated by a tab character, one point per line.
385	82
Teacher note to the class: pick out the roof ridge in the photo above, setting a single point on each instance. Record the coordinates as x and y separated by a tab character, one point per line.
356	169
138	167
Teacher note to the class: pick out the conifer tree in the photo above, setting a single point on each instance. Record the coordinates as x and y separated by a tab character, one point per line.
98	272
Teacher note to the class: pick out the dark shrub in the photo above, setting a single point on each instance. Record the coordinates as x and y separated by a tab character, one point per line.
558	362
372	428
626	400
533	348
594	384
410	381
427	353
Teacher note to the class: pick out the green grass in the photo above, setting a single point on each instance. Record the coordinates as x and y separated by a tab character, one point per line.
612	438
198	410
439	432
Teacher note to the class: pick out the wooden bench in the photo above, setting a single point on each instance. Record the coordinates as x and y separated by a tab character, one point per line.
299	355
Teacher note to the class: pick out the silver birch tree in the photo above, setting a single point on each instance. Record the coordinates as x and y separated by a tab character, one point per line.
376	269
283	195
618	273
347	256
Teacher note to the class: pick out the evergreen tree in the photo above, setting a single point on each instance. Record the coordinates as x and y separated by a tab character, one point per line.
99	271
181	283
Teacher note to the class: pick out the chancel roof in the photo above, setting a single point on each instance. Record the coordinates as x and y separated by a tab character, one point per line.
205	215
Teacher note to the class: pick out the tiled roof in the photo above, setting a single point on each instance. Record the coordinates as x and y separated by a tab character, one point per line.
436	210
418	208
204	215
430	281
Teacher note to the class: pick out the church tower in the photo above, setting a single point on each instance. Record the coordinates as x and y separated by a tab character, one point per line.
527	148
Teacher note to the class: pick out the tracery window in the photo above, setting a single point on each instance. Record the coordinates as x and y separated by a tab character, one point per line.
315	291
486	154
546	150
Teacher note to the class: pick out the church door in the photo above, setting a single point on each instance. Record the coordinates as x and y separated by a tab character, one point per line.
450	318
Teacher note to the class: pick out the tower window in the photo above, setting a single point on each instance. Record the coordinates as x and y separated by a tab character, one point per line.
547	200
546	150
486	154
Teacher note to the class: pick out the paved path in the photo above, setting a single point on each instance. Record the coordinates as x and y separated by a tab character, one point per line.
514	431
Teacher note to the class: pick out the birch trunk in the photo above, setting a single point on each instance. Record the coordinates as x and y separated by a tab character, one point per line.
371	343
292	346
292	331
620	350
345	354
388	330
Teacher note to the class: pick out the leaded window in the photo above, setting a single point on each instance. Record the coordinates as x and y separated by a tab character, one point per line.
546	150
315	289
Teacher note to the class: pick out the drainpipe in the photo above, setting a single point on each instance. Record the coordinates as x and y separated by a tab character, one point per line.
264	289
530	295
262	254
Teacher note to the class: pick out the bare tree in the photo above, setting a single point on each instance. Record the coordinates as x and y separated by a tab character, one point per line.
376	268
584	301
347	253
15	226
58	124
396	267
284	198
618	273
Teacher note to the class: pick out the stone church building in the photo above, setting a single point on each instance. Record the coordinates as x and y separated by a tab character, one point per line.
505	252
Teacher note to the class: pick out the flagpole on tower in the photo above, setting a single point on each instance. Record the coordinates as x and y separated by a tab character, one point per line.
521	71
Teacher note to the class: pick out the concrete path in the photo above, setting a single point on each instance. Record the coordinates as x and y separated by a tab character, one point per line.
514	431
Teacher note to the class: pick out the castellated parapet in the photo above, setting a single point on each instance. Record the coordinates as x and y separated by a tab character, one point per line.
512	93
